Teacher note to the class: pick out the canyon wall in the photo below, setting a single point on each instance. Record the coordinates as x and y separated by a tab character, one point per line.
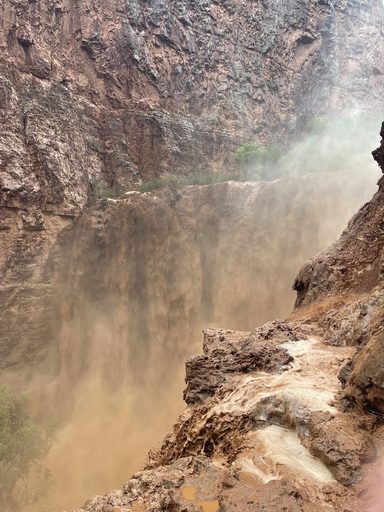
118	93
122	92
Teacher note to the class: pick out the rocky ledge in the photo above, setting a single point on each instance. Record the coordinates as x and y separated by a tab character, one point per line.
273	434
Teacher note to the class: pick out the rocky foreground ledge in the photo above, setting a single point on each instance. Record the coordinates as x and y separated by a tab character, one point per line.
266	430
287	417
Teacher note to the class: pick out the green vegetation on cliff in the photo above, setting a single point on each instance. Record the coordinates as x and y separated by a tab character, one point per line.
23	447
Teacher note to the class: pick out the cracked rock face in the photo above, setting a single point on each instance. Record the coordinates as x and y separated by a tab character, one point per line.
366	378
378	154
121	92
125	91
274	440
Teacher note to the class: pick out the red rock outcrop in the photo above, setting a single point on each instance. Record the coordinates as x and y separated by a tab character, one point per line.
121	92
118	93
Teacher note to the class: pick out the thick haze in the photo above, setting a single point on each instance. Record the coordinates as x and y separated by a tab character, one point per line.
131	309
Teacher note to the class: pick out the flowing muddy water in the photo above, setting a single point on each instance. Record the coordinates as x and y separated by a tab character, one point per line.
141	276
275	413
285	402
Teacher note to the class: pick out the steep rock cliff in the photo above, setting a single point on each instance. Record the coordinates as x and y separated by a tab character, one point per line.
121	92
126	91
117	93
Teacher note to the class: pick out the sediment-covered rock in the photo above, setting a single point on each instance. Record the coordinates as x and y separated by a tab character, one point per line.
227	353
256	433
117	93
366	378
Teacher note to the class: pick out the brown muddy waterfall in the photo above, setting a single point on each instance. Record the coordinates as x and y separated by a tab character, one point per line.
104	299
136	281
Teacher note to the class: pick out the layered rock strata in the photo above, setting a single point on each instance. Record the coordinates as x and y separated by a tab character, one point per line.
122	92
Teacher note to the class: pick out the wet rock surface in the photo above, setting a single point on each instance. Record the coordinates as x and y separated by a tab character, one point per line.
118	93
222	355
241	446
341	443
366	378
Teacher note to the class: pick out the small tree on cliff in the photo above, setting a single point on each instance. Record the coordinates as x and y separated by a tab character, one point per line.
23	447
257	159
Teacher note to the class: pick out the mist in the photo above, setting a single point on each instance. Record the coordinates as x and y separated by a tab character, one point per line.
339	141
144	274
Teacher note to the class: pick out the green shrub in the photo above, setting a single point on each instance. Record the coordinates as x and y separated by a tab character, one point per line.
168	180
258	160
100	190
250	154
23	447
151	185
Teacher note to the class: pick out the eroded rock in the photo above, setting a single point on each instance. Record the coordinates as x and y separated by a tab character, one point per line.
366	379
227	352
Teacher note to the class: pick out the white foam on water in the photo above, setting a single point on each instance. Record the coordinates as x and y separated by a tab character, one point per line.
278	454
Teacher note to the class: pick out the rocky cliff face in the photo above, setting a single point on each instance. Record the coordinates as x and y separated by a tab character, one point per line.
117	93
120	92
126	91
289	415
